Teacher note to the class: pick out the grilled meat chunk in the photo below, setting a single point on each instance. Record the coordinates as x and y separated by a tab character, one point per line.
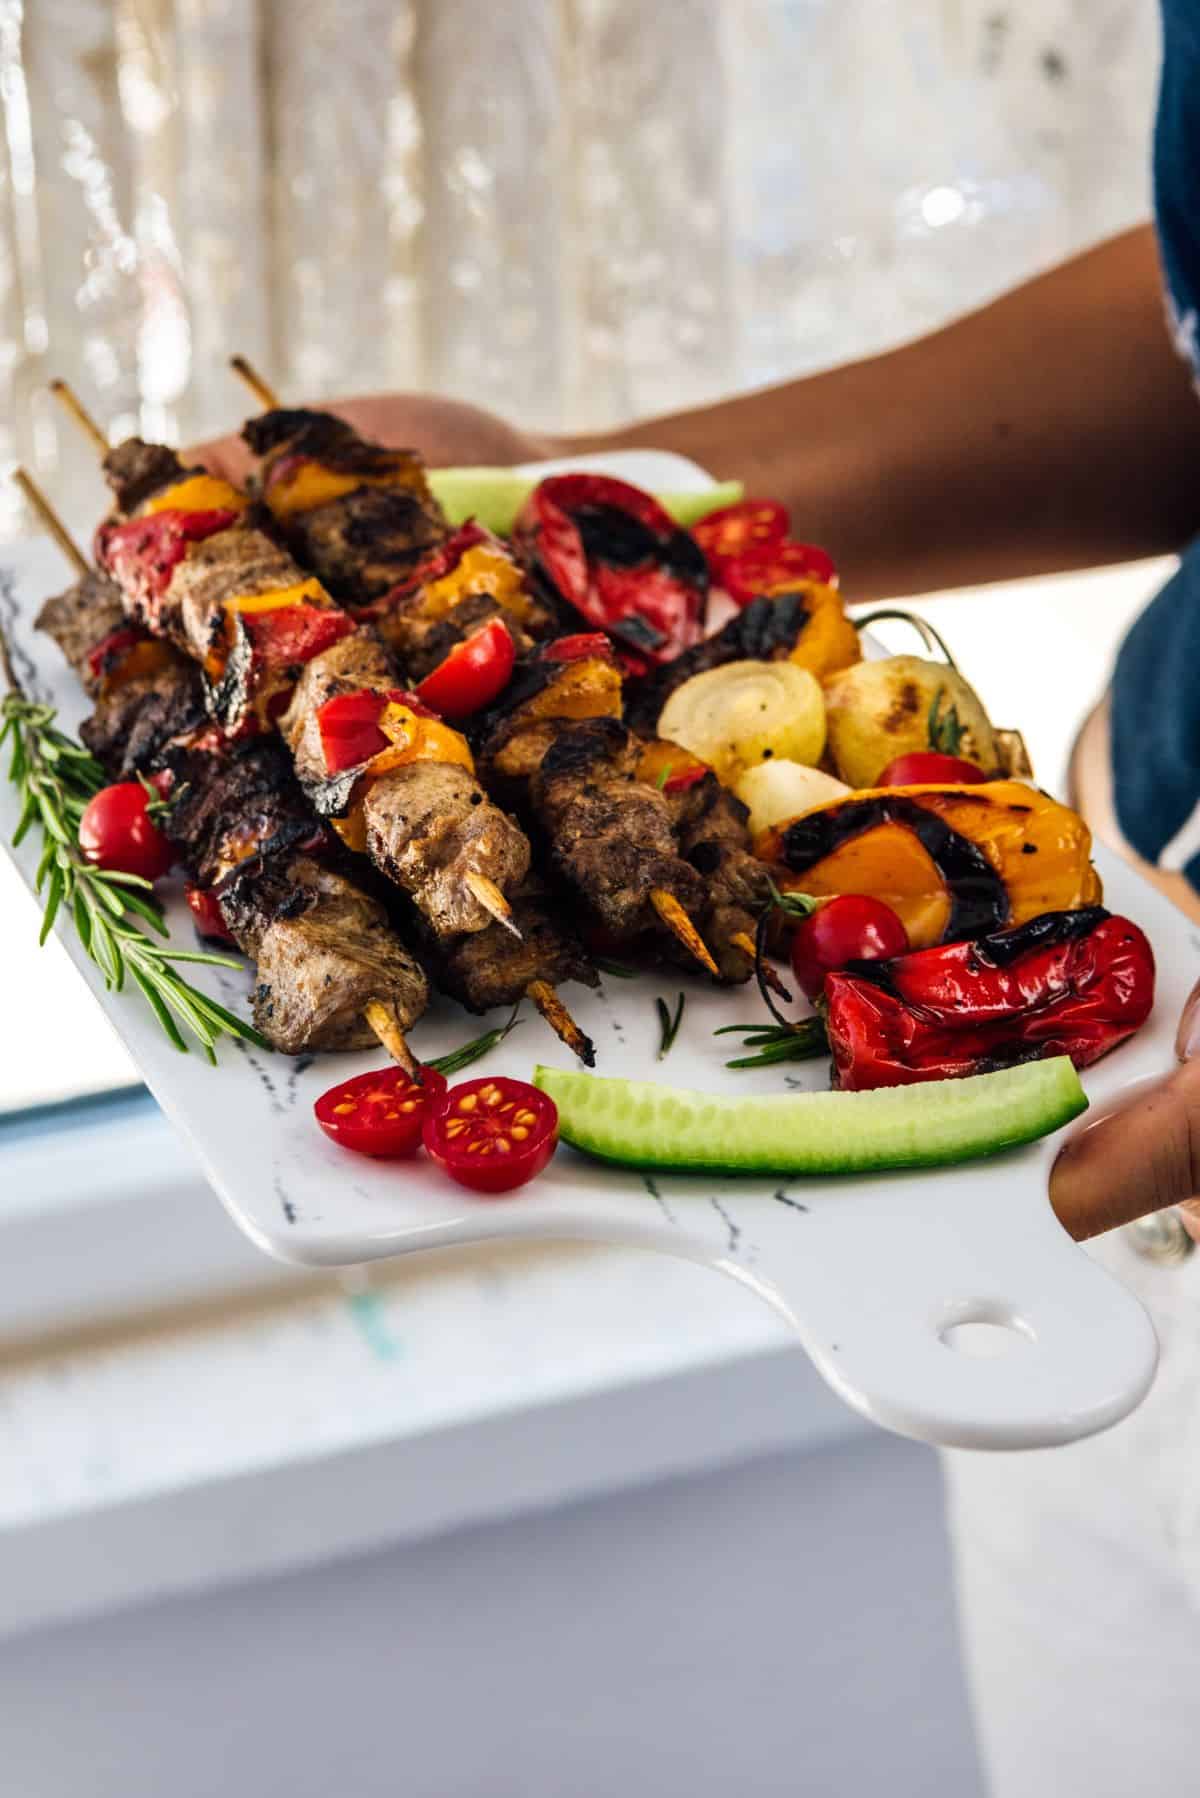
422	642
767	630
134	725
712	831
610	835
492	967
323	956
428	825
238	562
367	540
134	470
359	663
79	620
235	809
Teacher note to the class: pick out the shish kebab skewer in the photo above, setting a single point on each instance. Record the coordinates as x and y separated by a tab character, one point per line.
314	471
331	973
215	586
476	966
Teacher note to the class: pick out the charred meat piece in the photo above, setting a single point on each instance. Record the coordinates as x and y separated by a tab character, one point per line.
492	967
368	538
236	808
422	642
712	831
324	953
767	630
80	620
610	835
134	725
136	470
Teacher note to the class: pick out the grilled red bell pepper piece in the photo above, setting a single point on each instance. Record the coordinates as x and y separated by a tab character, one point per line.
1071	983
619	558
349	725
290	635
584	646
143	553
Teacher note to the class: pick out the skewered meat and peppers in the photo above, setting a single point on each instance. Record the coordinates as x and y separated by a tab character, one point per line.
194	569
327	958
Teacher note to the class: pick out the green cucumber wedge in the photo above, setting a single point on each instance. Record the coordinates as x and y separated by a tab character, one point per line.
641	1124
495	495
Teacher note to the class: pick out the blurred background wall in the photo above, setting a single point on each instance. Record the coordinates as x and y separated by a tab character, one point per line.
571	210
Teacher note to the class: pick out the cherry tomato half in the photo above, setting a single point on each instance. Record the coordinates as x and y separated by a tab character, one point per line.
929	767
493	1134
852	927
753	524
766	571
380	1114
474	672
207	916
117	831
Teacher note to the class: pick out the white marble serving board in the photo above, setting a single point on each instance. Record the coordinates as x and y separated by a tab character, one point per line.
871	1272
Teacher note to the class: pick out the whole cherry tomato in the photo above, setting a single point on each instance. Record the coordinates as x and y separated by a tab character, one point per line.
492	1134
380	1114
206	912
852	927
930	767
117	831
474	672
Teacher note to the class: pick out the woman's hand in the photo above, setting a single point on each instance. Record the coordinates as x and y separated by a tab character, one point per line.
1141	1156
448	433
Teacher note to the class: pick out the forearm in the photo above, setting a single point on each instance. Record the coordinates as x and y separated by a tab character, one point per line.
1054	429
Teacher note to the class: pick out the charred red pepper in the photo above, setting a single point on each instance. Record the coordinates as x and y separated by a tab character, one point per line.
291	635
619	558
433	567
349	725
584	646
143	553
1071	983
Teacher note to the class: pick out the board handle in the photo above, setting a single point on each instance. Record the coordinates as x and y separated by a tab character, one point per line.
959	1313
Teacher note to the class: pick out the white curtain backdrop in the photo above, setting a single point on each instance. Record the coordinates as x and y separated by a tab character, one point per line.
571	210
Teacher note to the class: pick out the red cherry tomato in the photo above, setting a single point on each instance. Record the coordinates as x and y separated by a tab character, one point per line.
753	524
930	767
493	1134
474	672
117	831
207	916
380	1114
850	928
764	571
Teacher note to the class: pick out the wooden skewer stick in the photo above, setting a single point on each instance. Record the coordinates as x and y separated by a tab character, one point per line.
250	377
378	1013
561	1022
742	940
70	400
492	900
681	927
51	520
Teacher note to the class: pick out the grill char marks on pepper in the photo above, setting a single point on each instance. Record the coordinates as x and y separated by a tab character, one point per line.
766	631
610	835
324	948
711	825
979	900
367	540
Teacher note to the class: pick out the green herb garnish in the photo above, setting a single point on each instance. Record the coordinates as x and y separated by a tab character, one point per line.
456	1059
669	1025
616	969
55	778
777	1042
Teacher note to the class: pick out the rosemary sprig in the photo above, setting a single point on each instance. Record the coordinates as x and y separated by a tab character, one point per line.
777	1042
479	1046
55	778
668	1024
616	970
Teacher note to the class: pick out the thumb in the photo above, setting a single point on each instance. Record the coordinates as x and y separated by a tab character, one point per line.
1140	1156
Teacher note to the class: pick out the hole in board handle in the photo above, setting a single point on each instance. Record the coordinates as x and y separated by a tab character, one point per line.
983	1330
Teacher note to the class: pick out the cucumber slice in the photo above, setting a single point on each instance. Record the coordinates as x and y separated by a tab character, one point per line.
495	495
641	1124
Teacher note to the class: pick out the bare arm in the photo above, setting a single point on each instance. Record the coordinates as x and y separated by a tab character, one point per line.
1054	429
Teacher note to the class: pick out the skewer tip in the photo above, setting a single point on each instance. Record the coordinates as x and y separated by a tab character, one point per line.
67	397
561	1022
382	1020
488	894
745	942
682	928
246	372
